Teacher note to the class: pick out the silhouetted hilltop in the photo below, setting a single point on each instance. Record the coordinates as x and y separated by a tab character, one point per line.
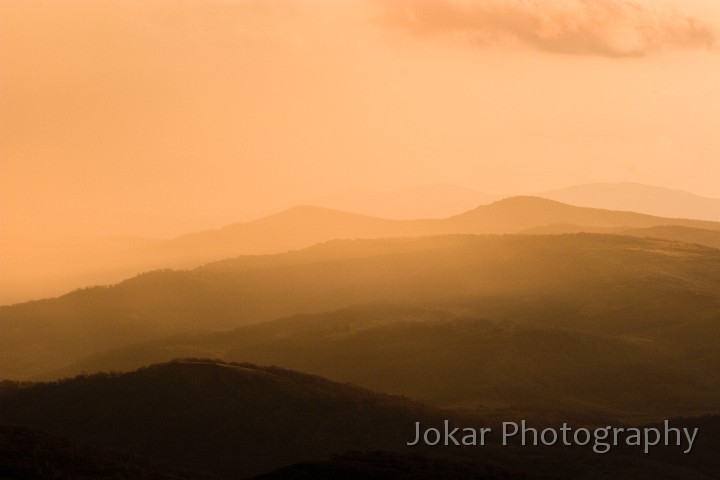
239	420
230	419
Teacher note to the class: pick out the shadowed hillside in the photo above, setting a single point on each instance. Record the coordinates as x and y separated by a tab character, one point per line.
27	454
602	284
228	419
240	420
547	464
553	359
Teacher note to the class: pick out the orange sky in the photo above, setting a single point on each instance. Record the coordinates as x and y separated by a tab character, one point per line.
159	117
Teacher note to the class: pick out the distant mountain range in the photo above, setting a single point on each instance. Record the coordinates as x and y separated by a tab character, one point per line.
525	308
636	316
300	227
443	200
438	200
637	197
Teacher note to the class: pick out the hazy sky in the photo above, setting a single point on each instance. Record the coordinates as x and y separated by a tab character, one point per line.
159	117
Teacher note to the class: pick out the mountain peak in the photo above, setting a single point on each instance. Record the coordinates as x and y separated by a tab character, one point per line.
518	203
525	200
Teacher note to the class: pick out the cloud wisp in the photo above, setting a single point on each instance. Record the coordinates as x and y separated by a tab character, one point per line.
611	28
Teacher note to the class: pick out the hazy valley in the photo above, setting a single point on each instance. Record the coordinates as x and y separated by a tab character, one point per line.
582	315
279	240
55	269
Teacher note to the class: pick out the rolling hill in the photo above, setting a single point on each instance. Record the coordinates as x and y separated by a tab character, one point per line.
301	227
697	236
598	325
637	197
527	365
233	420
241	420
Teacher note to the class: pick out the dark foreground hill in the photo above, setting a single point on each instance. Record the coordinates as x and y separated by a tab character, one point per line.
228	419
392	466
239	420
28	454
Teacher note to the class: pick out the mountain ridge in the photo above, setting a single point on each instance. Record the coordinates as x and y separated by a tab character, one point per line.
304	226
638	197
614	284
311	224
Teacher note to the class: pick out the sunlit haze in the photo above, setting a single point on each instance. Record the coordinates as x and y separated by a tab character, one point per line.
158	118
